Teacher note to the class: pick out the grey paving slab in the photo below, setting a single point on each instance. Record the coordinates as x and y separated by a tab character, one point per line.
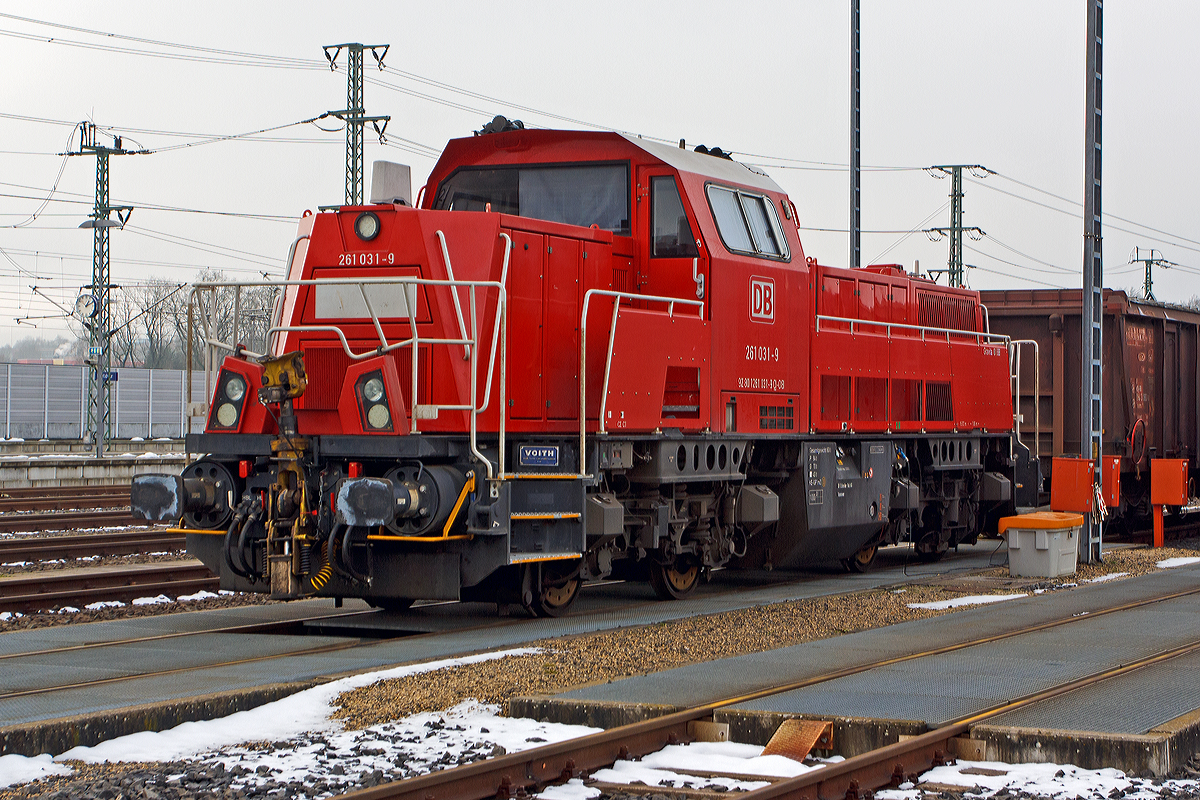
66	668
1130	704
711	681
25	641
634	605
940	689
602	608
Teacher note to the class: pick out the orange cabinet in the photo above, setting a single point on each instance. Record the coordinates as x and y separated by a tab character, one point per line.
1168	481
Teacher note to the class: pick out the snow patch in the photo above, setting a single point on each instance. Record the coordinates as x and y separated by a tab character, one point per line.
151	601
1177	562
303	712
973	600
1112	576
16	769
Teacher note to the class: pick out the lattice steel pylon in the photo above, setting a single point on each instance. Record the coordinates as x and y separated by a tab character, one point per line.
1155	258
855	140
93	307
1091	403
355	114
954	264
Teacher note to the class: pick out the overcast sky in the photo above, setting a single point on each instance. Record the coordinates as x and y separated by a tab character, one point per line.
943	81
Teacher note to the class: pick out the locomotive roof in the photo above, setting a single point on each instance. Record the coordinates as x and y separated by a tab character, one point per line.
514	147
721	169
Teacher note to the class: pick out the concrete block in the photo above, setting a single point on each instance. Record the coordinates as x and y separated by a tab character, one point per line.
597	714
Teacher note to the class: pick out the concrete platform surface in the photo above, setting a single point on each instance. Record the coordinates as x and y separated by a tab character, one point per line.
200	665
915	695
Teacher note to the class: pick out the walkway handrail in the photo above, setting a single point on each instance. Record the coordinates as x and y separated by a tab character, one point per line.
978	336
619	296
1014	366
469	342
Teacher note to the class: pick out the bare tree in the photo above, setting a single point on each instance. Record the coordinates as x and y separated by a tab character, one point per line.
123	340
159	340
213	314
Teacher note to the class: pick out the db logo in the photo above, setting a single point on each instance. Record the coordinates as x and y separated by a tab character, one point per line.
762	299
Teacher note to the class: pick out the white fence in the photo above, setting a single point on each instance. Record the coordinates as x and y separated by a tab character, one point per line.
44	401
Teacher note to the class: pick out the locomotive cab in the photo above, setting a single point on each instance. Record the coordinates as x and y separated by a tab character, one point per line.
583	355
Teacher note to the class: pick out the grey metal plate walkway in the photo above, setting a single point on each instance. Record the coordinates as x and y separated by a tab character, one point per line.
941	688
468	628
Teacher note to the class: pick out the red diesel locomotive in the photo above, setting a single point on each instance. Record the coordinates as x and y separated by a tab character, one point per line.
586	355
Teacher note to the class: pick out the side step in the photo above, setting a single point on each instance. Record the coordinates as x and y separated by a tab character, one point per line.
546	519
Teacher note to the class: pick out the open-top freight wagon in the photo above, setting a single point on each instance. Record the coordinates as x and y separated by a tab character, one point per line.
584	355
1151	386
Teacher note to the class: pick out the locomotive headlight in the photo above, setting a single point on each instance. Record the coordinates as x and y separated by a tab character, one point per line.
235	388
378	416
227	415
375	416
228	400
373	391
366	226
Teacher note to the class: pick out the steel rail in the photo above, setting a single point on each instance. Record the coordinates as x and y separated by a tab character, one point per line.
18	523
40	591
41	491
46	548
64	502
502	776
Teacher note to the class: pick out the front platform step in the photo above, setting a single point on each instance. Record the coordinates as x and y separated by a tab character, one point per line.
546	519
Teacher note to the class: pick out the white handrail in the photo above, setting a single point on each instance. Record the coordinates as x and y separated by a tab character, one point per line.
462	328
487	393
409	284
1014	364
924	329
618	297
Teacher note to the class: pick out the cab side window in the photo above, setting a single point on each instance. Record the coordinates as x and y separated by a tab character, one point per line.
673	237
747	223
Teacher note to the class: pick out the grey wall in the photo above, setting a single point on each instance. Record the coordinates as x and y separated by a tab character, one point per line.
40	401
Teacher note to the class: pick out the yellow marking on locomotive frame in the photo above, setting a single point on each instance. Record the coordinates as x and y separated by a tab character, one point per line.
540	476
551	515
381	537
468	487
529	559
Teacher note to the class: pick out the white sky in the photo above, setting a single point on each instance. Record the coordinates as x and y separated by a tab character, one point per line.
943	81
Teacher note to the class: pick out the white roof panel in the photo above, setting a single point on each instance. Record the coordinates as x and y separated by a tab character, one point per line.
719	169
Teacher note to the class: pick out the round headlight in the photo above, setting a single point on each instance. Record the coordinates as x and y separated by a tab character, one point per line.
235	387
226	415
366	226
378	416
373	390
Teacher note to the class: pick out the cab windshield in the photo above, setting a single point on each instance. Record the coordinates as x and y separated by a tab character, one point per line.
585	195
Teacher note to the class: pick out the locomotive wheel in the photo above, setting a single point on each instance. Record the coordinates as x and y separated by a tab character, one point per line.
558	588
930	548
674	581
862	560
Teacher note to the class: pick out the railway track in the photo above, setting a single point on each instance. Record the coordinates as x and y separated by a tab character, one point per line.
42	498
48	590
119	543
530	771
59	521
